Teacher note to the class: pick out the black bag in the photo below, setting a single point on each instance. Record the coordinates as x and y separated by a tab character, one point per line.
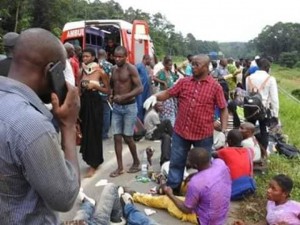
289	151
253	106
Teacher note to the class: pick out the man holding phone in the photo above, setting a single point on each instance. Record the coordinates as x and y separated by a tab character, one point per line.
38	174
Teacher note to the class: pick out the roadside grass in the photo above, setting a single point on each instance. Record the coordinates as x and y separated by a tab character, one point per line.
253	208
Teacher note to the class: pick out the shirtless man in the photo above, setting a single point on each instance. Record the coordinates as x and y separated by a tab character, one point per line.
126	85
93	80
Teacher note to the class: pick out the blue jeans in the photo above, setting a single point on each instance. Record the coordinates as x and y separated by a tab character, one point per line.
179	151
108	208
106	117
124	119
136	217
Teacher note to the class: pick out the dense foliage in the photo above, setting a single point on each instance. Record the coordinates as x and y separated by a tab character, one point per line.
52	15
281	41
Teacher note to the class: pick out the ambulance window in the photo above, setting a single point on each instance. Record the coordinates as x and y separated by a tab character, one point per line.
99	41
75	41
94	41
88	38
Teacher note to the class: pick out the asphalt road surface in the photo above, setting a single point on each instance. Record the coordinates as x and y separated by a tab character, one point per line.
126	179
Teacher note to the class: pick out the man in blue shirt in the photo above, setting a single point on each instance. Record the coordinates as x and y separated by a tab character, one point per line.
39	175
106	66
145	79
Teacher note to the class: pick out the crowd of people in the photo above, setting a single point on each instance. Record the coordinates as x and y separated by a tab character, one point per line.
194	110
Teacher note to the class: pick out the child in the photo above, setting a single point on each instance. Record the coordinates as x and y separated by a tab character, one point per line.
247	129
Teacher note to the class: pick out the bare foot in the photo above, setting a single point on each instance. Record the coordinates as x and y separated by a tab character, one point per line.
149	151
91	171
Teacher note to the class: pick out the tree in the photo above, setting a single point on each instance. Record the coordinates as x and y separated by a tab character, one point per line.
282	37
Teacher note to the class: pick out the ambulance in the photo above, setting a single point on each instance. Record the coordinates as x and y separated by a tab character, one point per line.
96	33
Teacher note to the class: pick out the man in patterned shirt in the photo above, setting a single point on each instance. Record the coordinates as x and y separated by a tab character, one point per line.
197	98
38	175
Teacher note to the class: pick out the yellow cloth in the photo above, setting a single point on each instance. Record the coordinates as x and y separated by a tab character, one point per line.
164	202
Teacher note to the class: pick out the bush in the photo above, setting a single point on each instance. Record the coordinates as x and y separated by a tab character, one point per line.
296	93
288	59
297	65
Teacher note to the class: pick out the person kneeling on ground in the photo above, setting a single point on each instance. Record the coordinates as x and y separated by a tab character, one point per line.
112	206
280	209
208	193
159	130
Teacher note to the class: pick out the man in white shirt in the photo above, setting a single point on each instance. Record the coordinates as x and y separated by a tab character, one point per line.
269	95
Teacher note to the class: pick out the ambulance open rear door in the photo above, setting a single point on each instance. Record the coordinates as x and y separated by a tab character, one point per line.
140	41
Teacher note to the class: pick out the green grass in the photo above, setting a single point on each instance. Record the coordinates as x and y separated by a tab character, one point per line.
287	78
253	209
289	109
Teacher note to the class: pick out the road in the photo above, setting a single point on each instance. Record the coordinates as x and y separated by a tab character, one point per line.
126	179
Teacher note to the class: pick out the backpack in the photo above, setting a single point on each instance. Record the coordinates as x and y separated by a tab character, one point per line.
253	105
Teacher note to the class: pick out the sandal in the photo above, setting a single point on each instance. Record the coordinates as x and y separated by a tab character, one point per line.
116	173
134	169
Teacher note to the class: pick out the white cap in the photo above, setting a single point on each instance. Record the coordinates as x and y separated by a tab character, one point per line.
257	57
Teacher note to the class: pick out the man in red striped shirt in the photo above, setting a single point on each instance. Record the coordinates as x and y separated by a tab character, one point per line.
197	98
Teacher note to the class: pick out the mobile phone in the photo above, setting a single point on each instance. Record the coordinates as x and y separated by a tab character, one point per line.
57	81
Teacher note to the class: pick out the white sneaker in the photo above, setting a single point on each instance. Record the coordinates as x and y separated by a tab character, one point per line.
82	196
120	191
127	198
123	222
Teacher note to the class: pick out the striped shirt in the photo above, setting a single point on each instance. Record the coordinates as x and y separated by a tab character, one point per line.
35	179
196	103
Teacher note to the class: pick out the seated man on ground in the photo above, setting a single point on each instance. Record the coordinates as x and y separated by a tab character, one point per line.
280	209
159	130
112	207
235	156
249	140
208	192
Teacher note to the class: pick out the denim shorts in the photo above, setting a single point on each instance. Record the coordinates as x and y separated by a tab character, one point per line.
123	119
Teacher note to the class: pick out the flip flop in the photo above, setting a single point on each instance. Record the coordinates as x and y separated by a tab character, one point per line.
134	169
116	173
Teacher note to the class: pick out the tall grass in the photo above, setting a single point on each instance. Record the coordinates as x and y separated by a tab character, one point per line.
254	208
289	110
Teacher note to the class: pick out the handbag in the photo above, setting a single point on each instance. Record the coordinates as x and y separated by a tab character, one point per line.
243	186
